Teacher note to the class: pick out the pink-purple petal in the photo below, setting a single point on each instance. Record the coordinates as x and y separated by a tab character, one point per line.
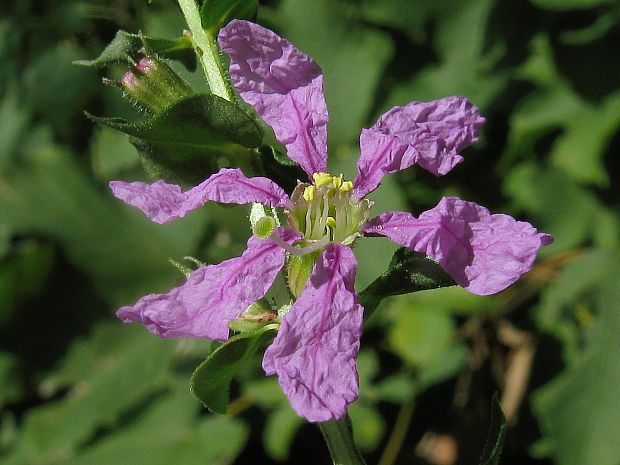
163	202
315	350
214	295
427	133
285	87
484	253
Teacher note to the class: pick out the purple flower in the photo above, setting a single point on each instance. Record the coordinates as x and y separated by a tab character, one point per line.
316	346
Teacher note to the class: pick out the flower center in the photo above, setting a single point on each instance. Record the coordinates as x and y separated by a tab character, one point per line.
326	211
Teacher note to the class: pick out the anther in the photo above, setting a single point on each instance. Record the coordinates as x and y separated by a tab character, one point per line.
309	193
321	179
346	186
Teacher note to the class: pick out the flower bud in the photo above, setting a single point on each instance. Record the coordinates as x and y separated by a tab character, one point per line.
153	85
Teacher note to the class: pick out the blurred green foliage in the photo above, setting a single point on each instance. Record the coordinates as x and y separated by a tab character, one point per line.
79	387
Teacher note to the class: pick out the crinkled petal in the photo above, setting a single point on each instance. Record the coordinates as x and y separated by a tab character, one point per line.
214	295
427	133
315	350
484	253
284	85
163	202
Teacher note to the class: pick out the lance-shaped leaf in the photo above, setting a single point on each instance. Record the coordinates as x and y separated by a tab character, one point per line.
126	47
409	271
496	435
215	14
187	137
211	380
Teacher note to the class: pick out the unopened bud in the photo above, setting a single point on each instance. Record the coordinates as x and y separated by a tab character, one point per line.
153	85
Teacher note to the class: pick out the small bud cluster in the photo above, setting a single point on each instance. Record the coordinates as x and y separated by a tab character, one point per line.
153	85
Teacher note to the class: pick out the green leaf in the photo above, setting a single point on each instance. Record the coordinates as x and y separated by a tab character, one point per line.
189	136
408	272
561	5
125	47
465	61
167	431
566	299
9	379
210	382
280	430
122	48
215	14
496	435
578	410
368	426
419	336
23	273
109	374
586	129
574	214
44	194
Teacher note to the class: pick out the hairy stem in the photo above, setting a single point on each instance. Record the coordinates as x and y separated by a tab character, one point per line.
208	52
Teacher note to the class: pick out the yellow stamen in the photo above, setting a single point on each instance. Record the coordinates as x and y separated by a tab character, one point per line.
331	222
309	193
346	186
337	181
320	179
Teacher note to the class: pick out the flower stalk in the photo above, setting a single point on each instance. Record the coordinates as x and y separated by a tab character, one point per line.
208	52
339	438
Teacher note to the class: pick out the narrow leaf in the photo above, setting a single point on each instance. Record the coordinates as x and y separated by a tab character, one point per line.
211	380
408	272
125	47
496	435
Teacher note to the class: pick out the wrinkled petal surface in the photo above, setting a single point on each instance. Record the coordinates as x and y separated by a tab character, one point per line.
484	253
214	295
315	350
163	202
285	87
427	133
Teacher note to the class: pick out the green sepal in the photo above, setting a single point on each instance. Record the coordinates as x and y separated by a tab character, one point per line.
185	140
215	14
408	271
125	47
255	317
210	382
496	435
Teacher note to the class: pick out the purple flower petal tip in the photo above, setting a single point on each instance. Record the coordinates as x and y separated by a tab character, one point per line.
285	87
163	202
315	350
160	201
427	133
484	253
214	295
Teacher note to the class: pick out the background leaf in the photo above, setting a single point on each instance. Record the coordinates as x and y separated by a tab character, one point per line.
215	14
210	382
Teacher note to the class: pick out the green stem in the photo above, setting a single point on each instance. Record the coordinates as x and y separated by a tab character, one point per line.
339	438
395	442
208	52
